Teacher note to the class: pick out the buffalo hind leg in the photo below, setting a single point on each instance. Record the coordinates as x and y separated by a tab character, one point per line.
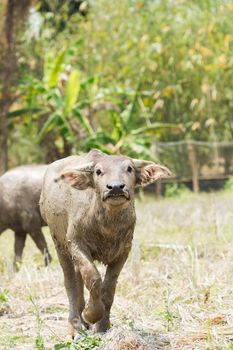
108	291
39	239
73	289
95	308
20	238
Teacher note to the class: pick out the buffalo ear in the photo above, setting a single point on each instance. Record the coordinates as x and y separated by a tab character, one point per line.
79	177
149	172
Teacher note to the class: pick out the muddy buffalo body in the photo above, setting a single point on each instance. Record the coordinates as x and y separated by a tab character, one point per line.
88	204
20	190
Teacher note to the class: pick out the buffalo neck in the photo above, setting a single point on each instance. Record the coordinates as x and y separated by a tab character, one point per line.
112	219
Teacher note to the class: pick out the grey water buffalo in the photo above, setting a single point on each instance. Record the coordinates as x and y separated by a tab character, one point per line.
88	204
20	190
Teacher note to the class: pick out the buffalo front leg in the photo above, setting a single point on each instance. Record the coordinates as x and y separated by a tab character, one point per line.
73	289
81	300
108	291
94	309
20	238
41	244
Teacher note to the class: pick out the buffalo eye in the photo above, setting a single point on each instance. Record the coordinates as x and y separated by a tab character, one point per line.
98	172
129	169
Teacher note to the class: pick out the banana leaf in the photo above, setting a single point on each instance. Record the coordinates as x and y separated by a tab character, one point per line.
51	122
22	111
83	121
57	68
71	91
155	128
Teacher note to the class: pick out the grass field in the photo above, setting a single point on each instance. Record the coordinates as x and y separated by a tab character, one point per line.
176	290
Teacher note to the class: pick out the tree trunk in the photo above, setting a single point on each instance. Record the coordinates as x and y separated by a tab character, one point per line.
14	14
3	142
8	63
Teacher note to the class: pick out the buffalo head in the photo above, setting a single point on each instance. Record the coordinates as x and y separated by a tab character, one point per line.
113	178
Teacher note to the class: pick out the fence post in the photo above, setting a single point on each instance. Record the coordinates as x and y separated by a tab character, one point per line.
158	185
194	166
158	188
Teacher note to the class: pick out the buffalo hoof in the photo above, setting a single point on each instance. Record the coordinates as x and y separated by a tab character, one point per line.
102	326
79	336
86	326
93	312
74	326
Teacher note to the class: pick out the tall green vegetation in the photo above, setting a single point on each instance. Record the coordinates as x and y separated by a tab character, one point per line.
118	75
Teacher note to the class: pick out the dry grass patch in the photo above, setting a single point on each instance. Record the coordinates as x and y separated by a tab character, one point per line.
175	292
122	339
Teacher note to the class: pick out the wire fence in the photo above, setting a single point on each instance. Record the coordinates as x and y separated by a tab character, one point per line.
195	160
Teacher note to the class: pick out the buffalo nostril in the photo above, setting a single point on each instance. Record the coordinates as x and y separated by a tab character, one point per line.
115	186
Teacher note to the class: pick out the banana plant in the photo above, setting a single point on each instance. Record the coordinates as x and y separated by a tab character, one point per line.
130	132
126	137
52	101
58	100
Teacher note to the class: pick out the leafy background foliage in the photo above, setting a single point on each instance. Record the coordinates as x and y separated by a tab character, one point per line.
119	75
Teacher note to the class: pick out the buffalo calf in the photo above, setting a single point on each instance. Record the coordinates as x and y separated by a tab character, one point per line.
88	204
20	190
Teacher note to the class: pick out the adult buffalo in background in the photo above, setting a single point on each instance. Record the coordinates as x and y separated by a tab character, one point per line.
88	204
20	190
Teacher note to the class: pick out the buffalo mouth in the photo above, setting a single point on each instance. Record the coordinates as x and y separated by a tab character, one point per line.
116	196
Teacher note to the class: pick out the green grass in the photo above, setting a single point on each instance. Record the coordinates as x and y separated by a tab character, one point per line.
86	342
177	283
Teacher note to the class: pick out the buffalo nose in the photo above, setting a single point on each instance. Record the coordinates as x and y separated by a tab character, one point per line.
115	186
